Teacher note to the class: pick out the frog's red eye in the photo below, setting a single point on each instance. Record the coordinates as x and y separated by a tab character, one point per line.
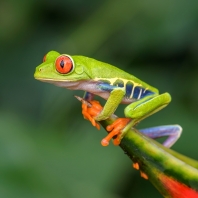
64	64
44	58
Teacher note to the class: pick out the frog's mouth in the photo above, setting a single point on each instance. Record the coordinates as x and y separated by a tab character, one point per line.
61	83
69	84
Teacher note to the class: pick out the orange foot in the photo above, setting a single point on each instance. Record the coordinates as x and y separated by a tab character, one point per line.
115	130
90	112
136	166
144	175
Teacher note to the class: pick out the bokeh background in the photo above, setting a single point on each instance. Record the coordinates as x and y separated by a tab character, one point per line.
46	148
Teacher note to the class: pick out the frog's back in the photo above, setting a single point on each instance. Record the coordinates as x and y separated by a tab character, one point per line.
115	77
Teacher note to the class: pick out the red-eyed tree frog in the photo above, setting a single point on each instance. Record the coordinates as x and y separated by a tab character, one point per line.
115	86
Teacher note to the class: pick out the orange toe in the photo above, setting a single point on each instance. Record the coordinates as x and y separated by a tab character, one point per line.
90	112
144	175
115	131
136	166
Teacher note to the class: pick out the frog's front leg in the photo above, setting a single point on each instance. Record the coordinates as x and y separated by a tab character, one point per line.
115	98
96	112
137	111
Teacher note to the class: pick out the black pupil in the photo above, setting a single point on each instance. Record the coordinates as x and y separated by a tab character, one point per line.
62	63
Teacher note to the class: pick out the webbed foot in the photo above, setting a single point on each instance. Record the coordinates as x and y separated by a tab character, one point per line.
115	130
92	109
90	112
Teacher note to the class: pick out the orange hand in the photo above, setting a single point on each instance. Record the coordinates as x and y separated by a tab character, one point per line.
90	112
115	130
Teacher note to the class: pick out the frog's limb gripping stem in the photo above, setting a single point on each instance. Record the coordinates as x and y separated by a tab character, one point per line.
88	112
91	109
173	133
115	130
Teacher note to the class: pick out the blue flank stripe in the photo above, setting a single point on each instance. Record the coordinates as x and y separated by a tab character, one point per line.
146	93
129	88
143	94
136	92
106	87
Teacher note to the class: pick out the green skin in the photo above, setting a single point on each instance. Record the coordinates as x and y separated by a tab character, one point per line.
87	73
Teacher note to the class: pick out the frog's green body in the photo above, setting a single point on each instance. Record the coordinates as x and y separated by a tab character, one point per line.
92	73
107	81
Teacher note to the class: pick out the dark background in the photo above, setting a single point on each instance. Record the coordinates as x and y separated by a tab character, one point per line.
46	148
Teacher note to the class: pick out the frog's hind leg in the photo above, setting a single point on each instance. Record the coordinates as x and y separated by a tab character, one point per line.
172	131
135	112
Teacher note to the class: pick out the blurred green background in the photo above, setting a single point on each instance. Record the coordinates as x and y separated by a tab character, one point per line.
46	148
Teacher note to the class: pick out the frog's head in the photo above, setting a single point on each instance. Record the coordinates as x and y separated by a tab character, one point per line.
62	69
